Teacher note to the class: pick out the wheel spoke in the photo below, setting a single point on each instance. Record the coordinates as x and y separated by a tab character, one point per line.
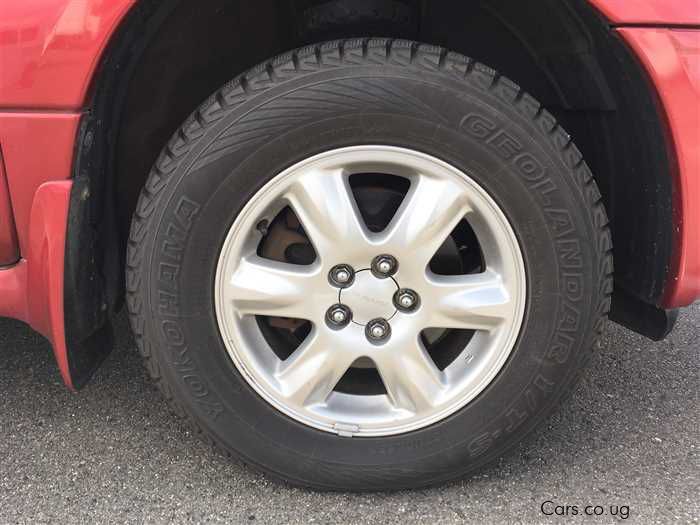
310	374
476	301
265	287
411	378
326	207
426	217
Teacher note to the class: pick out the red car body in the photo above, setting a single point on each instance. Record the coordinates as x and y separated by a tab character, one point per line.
50	51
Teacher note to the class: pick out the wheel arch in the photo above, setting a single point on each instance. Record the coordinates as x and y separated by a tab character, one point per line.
166	57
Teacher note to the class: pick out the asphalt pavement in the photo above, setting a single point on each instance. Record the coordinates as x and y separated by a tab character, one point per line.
627	439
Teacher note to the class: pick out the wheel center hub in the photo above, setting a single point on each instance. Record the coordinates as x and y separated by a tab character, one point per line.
369	297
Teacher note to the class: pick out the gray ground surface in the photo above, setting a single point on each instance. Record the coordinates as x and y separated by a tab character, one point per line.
629	436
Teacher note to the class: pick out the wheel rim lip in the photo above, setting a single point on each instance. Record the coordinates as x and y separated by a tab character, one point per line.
231	333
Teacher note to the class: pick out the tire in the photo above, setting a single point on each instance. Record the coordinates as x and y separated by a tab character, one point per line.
338	95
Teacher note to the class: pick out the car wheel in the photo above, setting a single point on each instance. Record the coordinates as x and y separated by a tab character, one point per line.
368	264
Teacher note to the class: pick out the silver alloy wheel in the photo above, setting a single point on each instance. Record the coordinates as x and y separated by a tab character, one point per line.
418	393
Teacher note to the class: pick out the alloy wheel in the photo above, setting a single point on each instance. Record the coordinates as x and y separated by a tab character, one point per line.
371	300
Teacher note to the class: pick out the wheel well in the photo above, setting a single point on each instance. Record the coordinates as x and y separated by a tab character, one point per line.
167	57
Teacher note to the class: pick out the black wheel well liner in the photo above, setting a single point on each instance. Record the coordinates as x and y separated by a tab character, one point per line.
167	57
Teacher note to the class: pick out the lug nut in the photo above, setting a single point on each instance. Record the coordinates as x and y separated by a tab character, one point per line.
377	330
406	300
338	316
384	266
341	275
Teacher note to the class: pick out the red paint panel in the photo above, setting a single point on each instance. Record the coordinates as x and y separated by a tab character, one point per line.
8	236
47	242
672	59
32	290
37	147
49	49
38	155
654	12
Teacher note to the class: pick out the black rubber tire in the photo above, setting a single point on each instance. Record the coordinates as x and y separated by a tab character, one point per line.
346	93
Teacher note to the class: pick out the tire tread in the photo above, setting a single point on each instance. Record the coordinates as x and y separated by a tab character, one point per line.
334	54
